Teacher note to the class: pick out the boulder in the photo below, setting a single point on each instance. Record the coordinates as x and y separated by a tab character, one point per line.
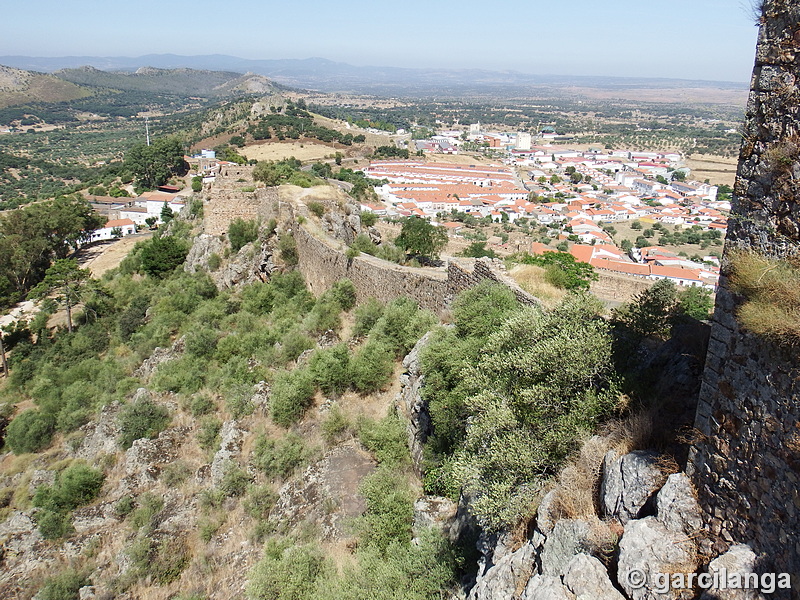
738	560
546	587
545	520
677	507
100	436
647	551
587	578
628	483
508	577
568	538
412	404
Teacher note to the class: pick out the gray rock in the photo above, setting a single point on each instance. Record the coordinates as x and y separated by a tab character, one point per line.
647	548
157	358
587	578
412	404
545	520
229	449
568	538
435	512
39	478
738	559
87	592
100	436
507	578
677	507
628	483
144	457
546	587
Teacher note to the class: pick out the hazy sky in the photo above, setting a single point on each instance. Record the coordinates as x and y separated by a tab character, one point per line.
694	39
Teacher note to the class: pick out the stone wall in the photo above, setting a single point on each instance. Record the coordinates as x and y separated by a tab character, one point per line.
227	201
323	262
617	287
746	463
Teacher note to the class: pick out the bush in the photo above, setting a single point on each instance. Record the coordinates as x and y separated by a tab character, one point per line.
162	561
386	439
214	261
75	486
287	572
335	426
208	434
390	510
150	506
259	501
330	369
316	208
344	293
140	419
30	431
366	316
292	394
63	586
371	368
175	473
402	325
368	219
279	458
650	312
478	311
201	404
235	480
242	232
287	249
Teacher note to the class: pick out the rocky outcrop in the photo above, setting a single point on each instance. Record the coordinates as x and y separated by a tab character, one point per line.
144	459
740	560
677	507
629	482
326	494
411	403
232	437
646	550
560	560
434	512
158	357
253	262
100	436
343	225
587	578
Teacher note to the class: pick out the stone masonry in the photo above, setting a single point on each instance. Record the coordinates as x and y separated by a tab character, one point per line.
746	462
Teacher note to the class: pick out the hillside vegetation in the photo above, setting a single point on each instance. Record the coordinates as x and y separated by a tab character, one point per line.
23	87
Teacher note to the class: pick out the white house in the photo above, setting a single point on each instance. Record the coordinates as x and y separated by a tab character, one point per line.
114	229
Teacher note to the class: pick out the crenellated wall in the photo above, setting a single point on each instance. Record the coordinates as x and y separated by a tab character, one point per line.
746	462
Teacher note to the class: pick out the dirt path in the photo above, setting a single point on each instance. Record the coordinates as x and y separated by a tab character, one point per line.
98	258
107	255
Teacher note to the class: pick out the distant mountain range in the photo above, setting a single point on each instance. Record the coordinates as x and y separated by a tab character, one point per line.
329	76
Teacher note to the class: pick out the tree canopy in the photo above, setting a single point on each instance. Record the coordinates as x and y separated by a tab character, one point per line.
65	281
153	165
420	238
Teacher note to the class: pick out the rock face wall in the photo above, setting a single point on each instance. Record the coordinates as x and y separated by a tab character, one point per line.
747	463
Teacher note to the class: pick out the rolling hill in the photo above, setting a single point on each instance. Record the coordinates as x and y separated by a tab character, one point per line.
24	87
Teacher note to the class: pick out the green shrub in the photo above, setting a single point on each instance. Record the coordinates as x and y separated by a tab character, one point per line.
148	511
208	434
234	481
54	525
30	431
161	561
201	342
330	369
259	501
402	325
390	509
371	368
279	458
366	316
124	506
287	249
335	426
650	312
140	419
242	232
75	486
287	572
185	375
344	293
316	208
368	219
386	439
478	311
214	261
239	401
175	473
63	586
292	394
201	404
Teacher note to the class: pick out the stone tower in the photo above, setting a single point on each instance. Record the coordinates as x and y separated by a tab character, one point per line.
746	462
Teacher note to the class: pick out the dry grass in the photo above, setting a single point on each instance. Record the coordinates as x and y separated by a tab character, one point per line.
280	150
533	280
772	291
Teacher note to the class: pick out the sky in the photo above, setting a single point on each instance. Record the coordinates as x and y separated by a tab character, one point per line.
684	39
